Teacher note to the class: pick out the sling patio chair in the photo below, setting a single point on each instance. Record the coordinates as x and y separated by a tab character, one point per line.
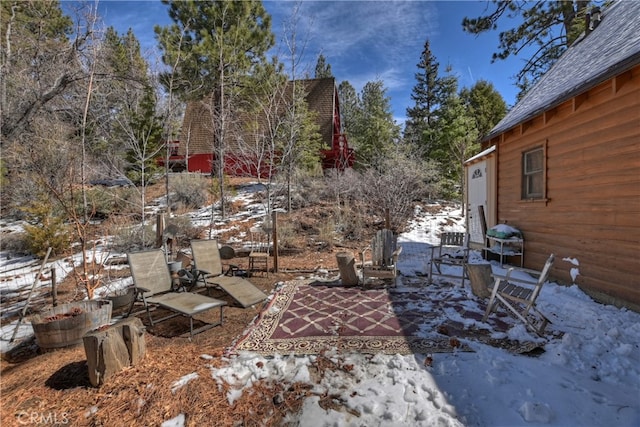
518	295
450	257
153	287
208	272
384	257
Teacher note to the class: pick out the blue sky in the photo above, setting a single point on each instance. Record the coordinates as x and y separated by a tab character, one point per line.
363	40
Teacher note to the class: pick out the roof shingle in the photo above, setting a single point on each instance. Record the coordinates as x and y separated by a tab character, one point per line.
611	48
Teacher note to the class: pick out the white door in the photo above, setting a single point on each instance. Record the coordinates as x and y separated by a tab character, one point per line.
477	196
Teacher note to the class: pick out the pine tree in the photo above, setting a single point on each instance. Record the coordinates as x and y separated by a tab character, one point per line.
119	90
485	104
216	44
426	95
302	151
143	132
377	131
350	107
548	27
460	136
37	64
323	68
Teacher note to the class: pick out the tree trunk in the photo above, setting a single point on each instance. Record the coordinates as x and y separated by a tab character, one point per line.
480	278
347	266
110	350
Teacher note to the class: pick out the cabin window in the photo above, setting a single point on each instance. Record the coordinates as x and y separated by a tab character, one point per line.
533	174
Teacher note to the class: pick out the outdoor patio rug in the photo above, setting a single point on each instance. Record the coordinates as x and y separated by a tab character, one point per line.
305	318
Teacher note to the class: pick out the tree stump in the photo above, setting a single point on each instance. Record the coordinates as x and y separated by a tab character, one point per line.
113	348
480	278
347	266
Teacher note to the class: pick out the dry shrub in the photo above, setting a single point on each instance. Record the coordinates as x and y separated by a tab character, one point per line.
129	235
14	243
189	190
327	231
351	224
46	230
286	234
393	184
185	230
107	201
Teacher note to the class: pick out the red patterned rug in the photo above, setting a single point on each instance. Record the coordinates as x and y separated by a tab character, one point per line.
305	318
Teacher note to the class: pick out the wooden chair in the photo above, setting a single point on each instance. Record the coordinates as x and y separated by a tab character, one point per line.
153	287
519	296
259	254
384	257
453	254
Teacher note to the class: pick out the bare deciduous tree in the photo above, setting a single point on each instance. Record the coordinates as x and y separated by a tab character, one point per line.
393	184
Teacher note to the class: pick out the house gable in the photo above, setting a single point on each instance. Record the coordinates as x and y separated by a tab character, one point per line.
198	124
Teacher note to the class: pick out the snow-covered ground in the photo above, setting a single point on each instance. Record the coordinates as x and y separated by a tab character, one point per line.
588	375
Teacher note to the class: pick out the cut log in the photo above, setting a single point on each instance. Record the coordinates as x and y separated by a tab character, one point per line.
347	266
133	334
113	348
480	278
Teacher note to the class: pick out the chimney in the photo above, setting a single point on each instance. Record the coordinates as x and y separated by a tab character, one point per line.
593	19
587	23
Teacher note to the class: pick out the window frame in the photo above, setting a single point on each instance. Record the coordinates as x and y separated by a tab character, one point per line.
528	176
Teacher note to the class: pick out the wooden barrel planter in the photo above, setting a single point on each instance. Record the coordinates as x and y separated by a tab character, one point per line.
122	300
66	324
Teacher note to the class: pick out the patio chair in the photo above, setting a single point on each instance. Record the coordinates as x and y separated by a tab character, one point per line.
153	286
384	257
208	272
450	257
519	295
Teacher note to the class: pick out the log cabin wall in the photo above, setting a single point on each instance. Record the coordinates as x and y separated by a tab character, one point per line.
591	208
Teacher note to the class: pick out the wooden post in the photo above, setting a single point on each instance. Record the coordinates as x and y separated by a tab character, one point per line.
274	224
387	219
347	266
54	290
159	230
26	304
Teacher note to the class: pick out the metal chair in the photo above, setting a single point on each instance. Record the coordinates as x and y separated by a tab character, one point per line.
153	287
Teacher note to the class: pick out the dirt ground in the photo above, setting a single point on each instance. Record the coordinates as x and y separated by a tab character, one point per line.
53	387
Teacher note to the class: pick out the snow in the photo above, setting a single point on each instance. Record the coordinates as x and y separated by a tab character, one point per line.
588	375
183	381
574	271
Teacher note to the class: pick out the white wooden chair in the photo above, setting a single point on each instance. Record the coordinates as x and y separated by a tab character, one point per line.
384	257
519	296
450	257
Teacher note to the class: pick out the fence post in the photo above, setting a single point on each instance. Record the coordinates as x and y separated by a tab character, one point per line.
159	230
387	219
274	222
54	288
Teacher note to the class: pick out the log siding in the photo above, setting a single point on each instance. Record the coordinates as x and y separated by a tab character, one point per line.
592	207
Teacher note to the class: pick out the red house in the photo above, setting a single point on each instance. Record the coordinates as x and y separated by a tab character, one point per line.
194	151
